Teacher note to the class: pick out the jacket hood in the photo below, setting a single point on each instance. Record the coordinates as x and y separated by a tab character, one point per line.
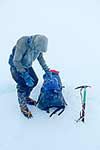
41	43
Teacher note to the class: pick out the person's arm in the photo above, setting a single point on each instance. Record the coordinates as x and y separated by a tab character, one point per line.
42	62
19	53
44	65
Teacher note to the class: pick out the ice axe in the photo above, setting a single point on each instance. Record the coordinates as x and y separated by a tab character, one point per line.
83	101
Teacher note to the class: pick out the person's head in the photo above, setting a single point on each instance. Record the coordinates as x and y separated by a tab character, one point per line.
41	43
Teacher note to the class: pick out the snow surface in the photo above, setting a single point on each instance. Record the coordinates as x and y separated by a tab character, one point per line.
73	30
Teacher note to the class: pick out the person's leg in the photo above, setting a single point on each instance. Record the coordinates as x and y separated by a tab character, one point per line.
30	101
21	86
21	92
35	79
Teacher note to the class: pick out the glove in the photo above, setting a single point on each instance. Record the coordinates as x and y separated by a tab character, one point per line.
28	79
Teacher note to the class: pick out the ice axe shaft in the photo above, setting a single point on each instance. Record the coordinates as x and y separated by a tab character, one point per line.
83	101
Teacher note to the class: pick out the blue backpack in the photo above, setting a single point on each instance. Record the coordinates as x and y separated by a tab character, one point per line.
51	94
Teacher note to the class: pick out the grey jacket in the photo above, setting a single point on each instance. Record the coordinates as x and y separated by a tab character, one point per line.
29	48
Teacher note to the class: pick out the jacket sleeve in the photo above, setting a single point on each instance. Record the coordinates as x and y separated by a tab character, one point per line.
19	52
42	62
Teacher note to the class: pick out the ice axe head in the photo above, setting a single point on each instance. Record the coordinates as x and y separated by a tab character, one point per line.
82	87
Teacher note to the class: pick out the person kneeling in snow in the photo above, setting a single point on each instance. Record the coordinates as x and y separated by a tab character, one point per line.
26	50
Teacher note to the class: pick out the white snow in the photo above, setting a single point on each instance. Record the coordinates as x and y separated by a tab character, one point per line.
73	30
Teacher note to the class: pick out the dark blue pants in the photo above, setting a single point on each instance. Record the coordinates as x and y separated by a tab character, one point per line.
22	89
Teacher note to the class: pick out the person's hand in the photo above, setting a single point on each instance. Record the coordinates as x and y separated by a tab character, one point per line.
28	79
49	74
